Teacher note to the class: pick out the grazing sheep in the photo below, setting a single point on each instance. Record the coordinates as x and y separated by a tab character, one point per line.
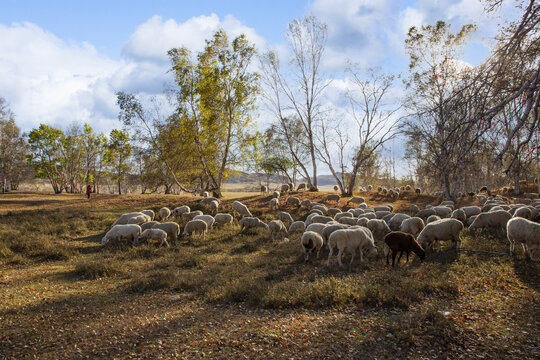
139	219
293	201
316	211
311	241
277	228
306	203
191	215
524	231
368	215
125	218
206	201
317	227
264	189
460	215
296	226
382	213
417	191
285	188
208	219
309	217
336	188
351	240
322	208
214	205
442	211
408	188
329	229
251	222
362	222
150	213
148	225
414	208
348	220
496	220
205	194
223	219
321	219
342	215
180	210
395	222
378	228
164	213
331	197
274	204
285	216
355	212
195	226
241	209
444	229
413	225
523	212
388	217
356	200
276	194
301	186
383	208
401	242
171	228
432	218
128	232
153	234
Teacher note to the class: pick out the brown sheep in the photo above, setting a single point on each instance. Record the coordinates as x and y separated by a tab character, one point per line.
402	242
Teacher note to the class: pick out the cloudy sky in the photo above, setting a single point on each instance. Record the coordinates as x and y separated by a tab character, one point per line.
62	61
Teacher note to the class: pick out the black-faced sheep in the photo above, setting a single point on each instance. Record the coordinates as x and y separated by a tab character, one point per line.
311	241
401	242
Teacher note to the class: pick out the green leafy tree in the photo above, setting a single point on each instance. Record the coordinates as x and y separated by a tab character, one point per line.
46	155
118	156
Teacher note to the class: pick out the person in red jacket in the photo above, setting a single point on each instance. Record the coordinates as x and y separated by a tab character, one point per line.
88	191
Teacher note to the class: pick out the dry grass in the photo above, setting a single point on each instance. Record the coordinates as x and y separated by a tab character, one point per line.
240	295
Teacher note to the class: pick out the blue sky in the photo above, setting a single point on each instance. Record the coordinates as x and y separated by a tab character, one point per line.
62	61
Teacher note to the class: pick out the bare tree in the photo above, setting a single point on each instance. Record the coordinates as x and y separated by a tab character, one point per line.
301	94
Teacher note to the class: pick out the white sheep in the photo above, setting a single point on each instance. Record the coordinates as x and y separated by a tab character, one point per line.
333	211
148	225
241	209
443	229
368	215
413	225
329	229
317	227
285	217
264	189
496	220
301	186
205	194
214	205
277	228
316	211
206	201
195	226
293	201
139	219
251	222
297	226
153	234
285	188
395	222
432	218
274	204
348	220
149	213
320	207
180	210
356	200
523	212
331	197
383	208
362	222
524	231
442	211
414	208
276	194
164	213
320	219
128	232
460	215
171	228
382	213
208	219
306	203
351	240
356	212
311	241
125	218
342	215
192	214
425	213
223	219
379	228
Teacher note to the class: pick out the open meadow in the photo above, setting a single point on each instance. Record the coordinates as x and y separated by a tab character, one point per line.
232	296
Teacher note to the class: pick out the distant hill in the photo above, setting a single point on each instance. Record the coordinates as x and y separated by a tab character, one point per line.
244	177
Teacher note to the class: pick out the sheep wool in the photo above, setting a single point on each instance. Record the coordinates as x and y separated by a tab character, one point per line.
297	226
311	241
194	227
277	228
223	219
351	240
153	234
443	229
128	232
524	231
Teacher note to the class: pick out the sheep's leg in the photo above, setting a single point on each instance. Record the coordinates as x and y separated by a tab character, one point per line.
394	253
407	256
512	248
339	255
352	257
400	255
525	252
361	255
318	252
329	255
388	258
164	241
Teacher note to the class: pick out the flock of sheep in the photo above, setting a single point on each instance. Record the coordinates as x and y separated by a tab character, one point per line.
358	230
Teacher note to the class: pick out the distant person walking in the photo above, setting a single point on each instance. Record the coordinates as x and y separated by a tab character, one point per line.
88	191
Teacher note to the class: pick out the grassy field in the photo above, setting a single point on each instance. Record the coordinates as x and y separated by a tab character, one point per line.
241	296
